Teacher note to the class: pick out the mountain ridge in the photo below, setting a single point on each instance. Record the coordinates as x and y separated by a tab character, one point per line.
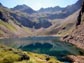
55	12
18	23
24	8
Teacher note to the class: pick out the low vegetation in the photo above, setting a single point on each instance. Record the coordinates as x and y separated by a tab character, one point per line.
10	55
8	25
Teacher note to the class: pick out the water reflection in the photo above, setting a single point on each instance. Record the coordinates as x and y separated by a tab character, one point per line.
45	45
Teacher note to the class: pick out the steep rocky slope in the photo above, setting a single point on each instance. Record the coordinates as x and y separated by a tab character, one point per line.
68	24
77	35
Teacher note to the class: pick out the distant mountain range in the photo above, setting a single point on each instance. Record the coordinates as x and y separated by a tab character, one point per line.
51	9
23	20
52	12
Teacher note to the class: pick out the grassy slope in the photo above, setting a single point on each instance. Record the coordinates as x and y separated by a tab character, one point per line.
8	25
68	25
12	28
10	55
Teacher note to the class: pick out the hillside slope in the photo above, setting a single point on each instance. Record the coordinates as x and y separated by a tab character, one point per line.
18	23
10	27
77	35
61	27
11	55
68	24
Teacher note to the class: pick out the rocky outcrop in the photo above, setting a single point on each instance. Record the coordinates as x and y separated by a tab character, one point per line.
76	59
80	15
3	16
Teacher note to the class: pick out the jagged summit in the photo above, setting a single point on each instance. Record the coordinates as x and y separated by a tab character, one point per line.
21	6
51	9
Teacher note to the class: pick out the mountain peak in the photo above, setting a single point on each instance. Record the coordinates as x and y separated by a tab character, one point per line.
50	9
24	8
0	4
21	7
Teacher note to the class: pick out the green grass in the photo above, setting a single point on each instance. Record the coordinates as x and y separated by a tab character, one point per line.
69	27
8	25
1	33
28	30
10	55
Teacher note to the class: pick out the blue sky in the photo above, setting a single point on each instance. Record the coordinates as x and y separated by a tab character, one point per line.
37	4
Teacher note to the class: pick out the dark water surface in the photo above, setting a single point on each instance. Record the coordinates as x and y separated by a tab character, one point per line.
44	45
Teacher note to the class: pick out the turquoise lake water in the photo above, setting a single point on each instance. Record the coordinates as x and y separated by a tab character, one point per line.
44	45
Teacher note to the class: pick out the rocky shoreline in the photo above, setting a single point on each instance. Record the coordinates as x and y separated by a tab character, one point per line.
76	59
